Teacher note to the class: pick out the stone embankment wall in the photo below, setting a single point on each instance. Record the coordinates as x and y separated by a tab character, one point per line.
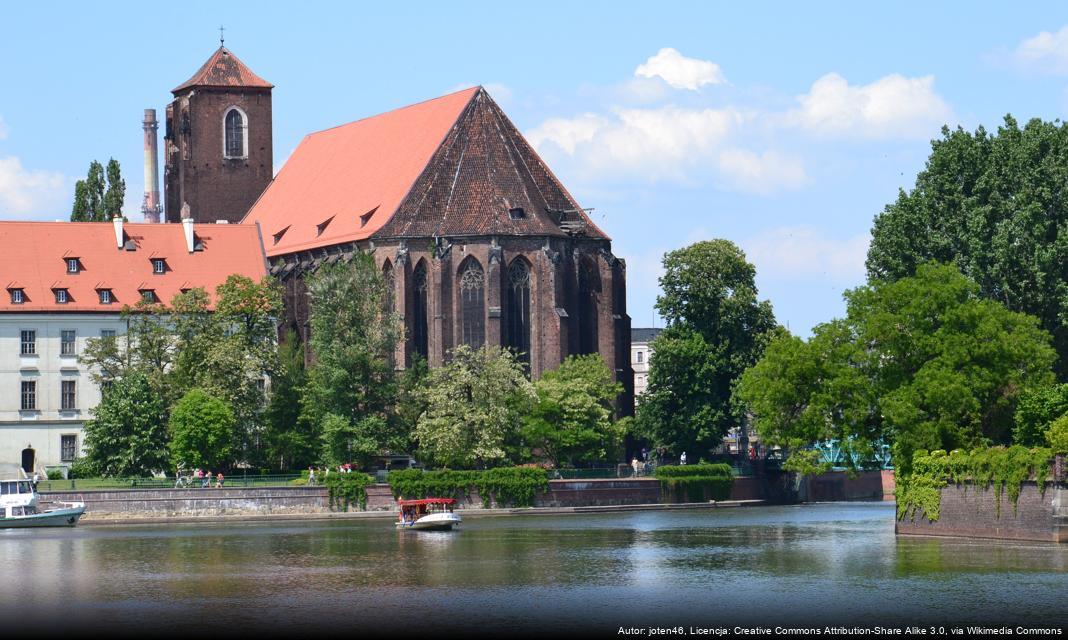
196	502
836	486
296	500
968	511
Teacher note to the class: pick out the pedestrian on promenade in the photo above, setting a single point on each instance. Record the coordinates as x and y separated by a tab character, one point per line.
219	480
36	479
637	467
682	458
206	482
311	476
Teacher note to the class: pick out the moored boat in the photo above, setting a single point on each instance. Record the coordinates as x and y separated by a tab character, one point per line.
18	508
428	514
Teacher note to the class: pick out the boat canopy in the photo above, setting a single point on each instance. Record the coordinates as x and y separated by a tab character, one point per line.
409	503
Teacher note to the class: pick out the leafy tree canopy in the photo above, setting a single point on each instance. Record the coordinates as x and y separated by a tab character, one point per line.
920	363
572	418
127	435
201	431
351	387
716	329
475	404
997	206
97	199
1037	410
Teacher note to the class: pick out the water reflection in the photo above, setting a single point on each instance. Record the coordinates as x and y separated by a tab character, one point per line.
820	563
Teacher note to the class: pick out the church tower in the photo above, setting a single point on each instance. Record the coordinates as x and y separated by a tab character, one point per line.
218	147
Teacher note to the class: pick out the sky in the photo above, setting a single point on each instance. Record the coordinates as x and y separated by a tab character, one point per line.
783	127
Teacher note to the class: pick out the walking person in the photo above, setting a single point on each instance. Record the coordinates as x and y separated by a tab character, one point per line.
682	458
219	480
206	482
311	476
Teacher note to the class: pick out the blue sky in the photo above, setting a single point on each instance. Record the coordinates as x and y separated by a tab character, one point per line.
784	127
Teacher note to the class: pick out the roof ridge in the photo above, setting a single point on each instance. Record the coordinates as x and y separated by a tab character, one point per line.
476	88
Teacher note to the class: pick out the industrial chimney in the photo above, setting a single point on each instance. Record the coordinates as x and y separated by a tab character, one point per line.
151	205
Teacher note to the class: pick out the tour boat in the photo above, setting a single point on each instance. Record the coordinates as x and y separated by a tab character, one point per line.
428	514
18	508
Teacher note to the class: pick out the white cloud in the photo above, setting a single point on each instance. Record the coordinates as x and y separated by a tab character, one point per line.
892	106
803	252
679	71
35	194
667	143
762	173
1045	53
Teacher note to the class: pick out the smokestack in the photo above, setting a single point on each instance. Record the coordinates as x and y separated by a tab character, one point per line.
151	206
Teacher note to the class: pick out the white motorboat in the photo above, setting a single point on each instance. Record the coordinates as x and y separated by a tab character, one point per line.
18	508
428	514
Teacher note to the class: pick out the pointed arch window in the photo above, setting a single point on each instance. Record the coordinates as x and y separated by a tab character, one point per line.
517	309
388	281
420	307
589	285
472	304
235	134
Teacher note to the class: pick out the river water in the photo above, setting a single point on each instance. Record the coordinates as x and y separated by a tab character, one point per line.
835	564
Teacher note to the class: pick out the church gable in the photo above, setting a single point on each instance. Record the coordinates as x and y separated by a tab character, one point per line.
485	179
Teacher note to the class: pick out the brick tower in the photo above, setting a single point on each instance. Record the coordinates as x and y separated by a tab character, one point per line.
218	149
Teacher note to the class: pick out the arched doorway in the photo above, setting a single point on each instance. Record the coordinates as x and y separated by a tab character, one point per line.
29	459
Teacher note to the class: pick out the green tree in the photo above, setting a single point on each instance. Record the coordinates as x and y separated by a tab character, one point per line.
290	442
994	204
127	435
81	212
572	418
229	351
920	363
147	347
353	337
1038	409
1057	434
475	404
201	431
716	329
115	195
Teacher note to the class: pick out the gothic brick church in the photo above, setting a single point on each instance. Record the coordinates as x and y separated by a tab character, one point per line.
480	242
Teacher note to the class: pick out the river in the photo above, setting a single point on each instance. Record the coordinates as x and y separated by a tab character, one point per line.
763	566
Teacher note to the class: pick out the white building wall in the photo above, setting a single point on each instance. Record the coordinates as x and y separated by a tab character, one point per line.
639	361
42	428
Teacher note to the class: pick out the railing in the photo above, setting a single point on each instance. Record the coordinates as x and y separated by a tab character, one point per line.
279	480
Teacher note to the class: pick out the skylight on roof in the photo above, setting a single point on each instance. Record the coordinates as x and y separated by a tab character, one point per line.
321	227
365	218
278	236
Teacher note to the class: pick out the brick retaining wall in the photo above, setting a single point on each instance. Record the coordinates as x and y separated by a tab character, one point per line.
970	512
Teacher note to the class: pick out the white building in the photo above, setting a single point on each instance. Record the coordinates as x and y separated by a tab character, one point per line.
641	351
67	282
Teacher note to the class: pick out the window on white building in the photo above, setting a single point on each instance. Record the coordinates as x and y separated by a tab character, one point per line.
17	296
68	447
29	395
66	342
639	356
28	342
68	395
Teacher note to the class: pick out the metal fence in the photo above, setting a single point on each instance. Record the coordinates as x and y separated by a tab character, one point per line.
76	484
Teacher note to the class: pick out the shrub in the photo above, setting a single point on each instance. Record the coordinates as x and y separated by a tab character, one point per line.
697	482
347	489
1057	435
55	474
505	486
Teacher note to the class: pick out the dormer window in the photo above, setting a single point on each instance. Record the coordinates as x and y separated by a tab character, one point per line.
235	134
17	296
105	296
73	266
62	296
159	265
517	213
321	227
148	295
278	236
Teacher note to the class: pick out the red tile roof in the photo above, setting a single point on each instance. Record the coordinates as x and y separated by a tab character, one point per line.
454	165
335	178
32	259
223	69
